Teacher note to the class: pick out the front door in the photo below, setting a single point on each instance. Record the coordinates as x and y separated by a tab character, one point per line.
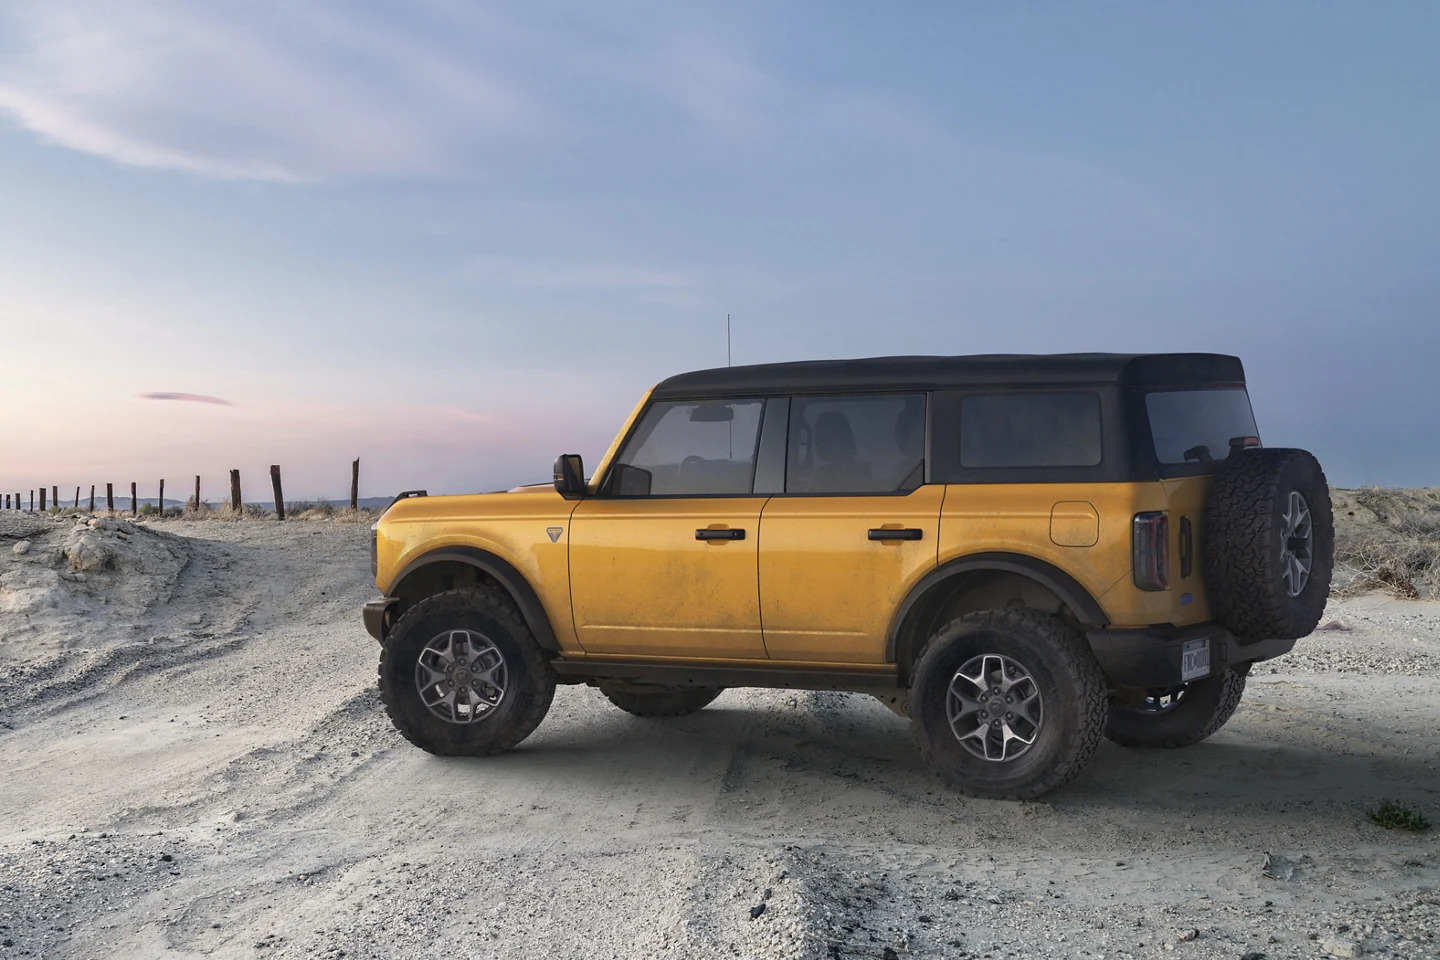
854	531
663	561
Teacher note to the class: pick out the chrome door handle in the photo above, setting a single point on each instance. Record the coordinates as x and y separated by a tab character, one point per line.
909	533
728	534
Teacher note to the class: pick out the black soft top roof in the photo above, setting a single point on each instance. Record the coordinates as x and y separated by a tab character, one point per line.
994	369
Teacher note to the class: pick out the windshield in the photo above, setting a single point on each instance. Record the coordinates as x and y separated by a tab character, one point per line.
1196	425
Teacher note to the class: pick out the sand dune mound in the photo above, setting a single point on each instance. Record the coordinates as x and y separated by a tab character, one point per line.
55	572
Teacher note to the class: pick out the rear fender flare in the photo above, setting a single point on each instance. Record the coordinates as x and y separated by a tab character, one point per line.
900	642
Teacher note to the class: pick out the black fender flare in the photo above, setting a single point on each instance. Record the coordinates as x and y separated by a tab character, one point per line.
514	582
1047	575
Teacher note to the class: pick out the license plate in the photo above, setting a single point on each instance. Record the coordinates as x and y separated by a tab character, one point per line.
1195	660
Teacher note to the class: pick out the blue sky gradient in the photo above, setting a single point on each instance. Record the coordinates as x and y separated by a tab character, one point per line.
457	239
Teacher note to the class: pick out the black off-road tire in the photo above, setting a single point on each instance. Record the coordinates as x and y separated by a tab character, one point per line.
1204	707
1244	539
1073	699
530	680
661	701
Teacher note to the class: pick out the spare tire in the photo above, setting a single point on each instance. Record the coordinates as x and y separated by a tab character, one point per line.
1269	544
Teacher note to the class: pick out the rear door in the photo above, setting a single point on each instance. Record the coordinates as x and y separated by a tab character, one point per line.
854	530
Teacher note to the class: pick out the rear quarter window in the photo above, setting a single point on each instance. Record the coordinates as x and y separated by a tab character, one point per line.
1197	425
1018	430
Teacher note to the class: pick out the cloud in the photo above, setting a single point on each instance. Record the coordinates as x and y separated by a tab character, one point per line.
186	397
575	276
262	92
327	89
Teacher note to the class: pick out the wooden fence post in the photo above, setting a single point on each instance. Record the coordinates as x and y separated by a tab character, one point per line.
235	490
162	498
355	484
197	494
109	498
55	497
134	503
32	501
92	498
42	499
77	498
279	496
7	501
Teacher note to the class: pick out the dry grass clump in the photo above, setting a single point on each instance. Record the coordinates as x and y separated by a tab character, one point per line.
1387	539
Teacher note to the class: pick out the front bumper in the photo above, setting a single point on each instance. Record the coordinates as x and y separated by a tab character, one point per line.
377	616
1153	657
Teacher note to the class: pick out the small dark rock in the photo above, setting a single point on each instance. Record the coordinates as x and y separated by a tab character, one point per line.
166	857
926	918
767	894
952	894
1252	955
1343	928
889	954
756	910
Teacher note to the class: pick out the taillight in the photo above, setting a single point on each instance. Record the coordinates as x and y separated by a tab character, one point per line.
1150	551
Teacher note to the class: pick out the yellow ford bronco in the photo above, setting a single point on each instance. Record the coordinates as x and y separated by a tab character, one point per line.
1021	554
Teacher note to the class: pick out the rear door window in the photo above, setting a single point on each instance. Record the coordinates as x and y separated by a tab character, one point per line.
1195	426
856	445
1019	430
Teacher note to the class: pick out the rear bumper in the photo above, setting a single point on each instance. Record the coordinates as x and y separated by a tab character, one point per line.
1153	657
377	616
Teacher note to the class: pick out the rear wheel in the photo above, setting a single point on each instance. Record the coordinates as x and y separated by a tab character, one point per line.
461	674
1007	704
645	700
1177	716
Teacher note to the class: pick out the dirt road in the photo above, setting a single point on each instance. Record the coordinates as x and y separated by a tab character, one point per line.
212	776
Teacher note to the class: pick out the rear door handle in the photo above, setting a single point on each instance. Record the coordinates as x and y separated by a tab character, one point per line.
909	533
720	534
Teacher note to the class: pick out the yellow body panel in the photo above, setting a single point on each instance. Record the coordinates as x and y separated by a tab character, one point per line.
627	577
510	525
828	592
641	583
1025	518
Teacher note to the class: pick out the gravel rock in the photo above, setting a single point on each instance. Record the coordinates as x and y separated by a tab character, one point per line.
1342	947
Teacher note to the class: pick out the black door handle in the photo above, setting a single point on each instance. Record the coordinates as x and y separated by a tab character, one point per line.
909	533
720	534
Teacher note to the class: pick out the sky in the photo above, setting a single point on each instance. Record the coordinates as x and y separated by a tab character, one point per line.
456	239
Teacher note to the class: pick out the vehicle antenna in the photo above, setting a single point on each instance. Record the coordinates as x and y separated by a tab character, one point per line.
727	339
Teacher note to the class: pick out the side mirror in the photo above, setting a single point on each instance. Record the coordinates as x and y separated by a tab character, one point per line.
570	476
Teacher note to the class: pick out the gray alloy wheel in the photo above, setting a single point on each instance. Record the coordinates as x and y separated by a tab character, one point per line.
460	676
994	707
1296	544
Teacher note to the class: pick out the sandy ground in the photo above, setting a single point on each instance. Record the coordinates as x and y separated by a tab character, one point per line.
193	762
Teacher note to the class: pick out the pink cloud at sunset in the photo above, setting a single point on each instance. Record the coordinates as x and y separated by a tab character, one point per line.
186	397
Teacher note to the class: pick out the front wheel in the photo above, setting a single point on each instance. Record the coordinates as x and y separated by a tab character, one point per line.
1177	717
461	675
1007	704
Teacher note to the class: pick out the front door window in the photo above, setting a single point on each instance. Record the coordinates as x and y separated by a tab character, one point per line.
690	449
